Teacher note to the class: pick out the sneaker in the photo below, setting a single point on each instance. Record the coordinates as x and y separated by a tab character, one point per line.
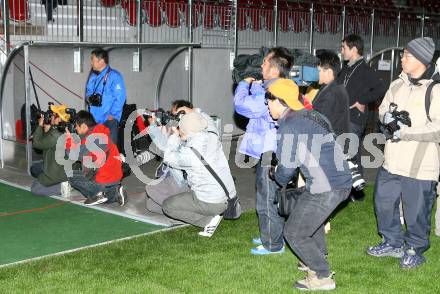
356	177
302	267
411	259
121	196
385	249
210	228
257	241
260	250
144	157
98	199
66	189
312	283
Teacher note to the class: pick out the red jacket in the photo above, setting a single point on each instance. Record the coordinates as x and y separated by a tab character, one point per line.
107	159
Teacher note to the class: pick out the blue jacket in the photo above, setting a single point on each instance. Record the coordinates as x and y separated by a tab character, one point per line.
260	135
304	143
113	94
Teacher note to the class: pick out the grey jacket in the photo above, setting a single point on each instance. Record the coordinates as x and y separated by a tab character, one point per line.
160	139
178	154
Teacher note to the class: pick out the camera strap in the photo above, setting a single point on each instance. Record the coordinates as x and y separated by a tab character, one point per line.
211	171
105	78
428	97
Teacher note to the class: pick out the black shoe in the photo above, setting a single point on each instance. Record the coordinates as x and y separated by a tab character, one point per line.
98	199
121	196
357	196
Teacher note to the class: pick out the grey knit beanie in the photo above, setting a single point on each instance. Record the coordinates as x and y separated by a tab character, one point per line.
422	49
192	122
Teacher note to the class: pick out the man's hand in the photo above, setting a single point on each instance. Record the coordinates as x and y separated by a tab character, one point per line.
360	107
272	171
41	120
248	80
151	120
46	128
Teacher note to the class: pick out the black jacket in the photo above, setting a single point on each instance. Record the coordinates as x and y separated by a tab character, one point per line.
363	85
332	102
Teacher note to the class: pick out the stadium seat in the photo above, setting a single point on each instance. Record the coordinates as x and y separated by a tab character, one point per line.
19	10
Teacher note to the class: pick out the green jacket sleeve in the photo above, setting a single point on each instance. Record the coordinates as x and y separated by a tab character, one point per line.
44	141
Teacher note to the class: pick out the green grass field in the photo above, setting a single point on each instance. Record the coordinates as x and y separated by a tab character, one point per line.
179	261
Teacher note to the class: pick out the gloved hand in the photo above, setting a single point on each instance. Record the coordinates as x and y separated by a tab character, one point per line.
393	130
387	118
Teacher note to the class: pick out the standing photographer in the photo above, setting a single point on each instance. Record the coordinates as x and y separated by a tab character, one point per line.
48	174
105	92
410	171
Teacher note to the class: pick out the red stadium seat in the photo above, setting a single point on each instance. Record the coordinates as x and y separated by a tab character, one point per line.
153	11
19	10
108	3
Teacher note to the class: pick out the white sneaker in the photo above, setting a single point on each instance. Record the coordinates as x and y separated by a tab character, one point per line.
210	228
66	189
144	157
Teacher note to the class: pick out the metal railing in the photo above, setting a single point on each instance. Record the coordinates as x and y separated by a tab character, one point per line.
297	24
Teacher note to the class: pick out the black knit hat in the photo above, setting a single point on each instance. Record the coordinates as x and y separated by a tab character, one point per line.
422	49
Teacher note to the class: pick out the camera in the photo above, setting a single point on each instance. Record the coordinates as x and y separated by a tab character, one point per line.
46	114
358	181
69	125
398	116
95	100
165	117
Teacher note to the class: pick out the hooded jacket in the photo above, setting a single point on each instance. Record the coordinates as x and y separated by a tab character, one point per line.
178	154
96	147
416	155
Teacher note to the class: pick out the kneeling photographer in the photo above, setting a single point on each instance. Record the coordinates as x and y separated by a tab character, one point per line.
99	178
173	180
49	175
199	153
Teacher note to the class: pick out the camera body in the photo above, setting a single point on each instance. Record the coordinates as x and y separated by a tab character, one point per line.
46	114
70	125
398	116
95	100
165	118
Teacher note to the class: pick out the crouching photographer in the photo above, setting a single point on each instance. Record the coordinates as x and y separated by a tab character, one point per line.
99	178
199	153
50	178
173	180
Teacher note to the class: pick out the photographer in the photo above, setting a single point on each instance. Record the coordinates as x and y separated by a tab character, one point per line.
203	205
259	142
105	92
410	170
99	178
49	175
326	173
173	181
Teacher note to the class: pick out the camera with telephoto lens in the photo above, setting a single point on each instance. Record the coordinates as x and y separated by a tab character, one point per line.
69	125
398	116
46	114
164	118
95	100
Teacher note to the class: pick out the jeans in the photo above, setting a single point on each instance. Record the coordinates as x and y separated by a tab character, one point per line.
90	188
417	197
271	224
189	209
304	229
358	130
113	125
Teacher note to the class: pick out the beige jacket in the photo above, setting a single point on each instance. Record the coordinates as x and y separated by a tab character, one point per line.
417	154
